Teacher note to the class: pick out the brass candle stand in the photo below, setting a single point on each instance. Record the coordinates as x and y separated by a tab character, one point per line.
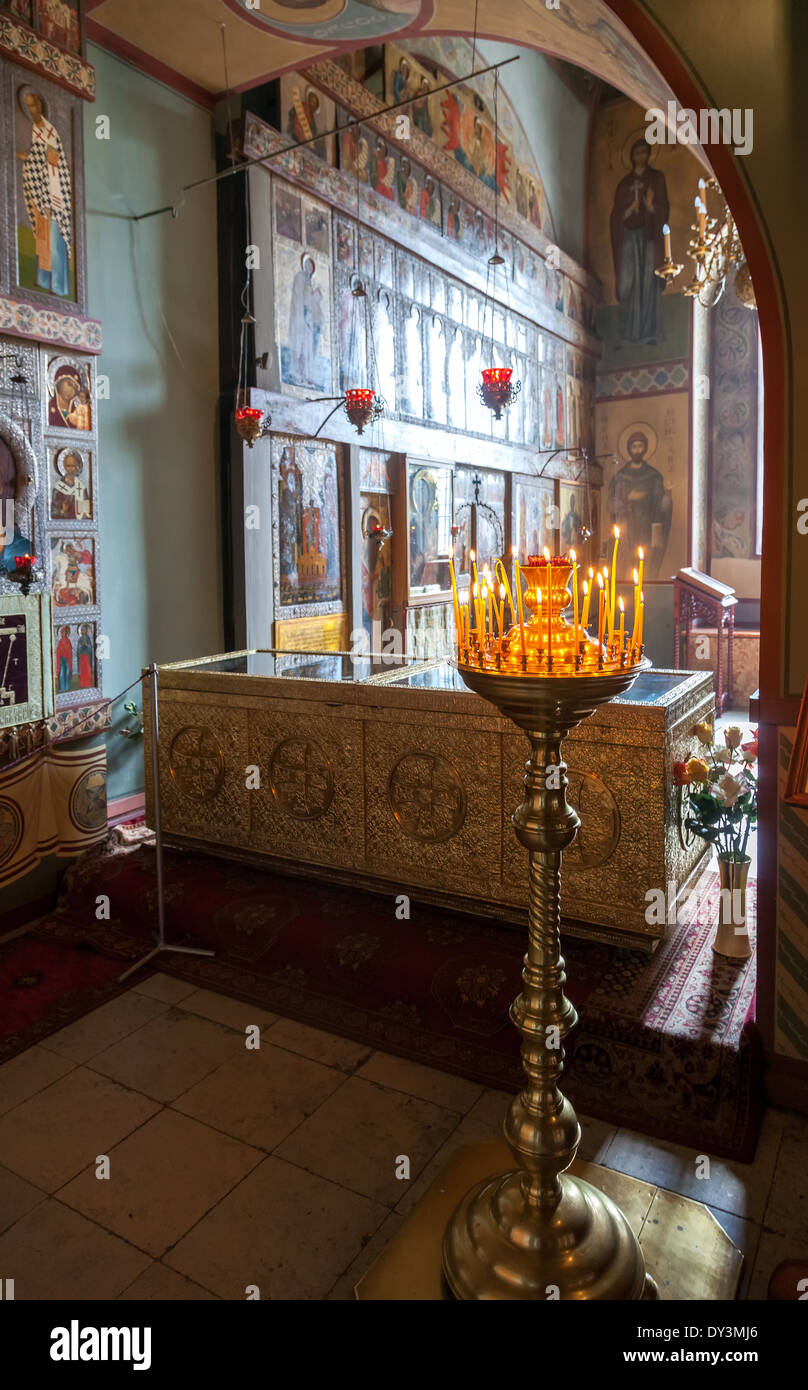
537	1232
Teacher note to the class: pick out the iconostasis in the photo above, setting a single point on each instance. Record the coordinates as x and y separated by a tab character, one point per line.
363	527
49	504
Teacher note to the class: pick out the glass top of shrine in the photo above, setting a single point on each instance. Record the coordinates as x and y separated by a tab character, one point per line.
652	687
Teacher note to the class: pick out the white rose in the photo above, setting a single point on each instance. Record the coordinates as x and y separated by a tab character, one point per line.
730	789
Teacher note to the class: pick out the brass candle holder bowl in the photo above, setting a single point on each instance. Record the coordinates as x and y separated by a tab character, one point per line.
537	1232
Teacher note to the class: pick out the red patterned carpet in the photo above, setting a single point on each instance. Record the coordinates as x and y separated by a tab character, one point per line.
665	1044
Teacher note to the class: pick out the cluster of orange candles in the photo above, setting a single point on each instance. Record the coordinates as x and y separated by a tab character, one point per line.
545	641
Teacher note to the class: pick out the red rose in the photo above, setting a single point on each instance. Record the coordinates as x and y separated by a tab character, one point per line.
680	777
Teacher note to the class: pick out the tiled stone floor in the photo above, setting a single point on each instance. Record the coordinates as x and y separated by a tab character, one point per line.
276	1167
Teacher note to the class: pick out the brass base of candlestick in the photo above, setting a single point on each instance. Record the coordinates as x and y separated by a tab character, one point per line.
499	1245
537	1232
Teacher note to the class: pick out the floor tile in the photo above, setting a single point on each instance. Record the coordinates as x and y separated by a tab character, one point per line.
168	1055
358	1135
232	1012
59	1132
27	1073
343	1290
287	1231
742	1188
81	1040
452	1092
596	1139
165	987
327	1048
54	1253
16	1198
159	1284
260	1096
162	1180
787	1208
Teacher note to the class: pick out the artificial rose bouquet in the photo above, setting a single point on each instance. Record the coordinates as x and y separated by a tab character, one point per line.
723	790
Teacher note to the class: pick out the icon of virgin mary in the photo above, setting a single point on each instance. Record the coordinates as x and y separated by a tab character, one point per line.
48	196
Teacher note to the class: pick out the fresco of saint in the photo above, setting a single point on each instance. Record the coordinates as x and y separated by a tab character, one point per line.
305	325
638	215
641	507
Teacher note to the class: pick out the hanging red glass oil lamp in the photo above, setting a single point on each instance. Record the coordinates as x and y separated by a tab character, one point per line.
497	389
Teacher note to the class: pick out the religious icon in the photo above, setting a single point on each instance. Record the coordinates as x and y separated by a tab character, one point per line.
407	186
299	355
14	542
58	21
351	337
535	523
309	558
638	215
69	398
401	80
355	153
317	229
302	122
521	194
534	204
420	108
84	648
560	437
430	201
639	503
429	508
70	500
73	571
45	245
288	217
377	588
572	520
64	660
383	170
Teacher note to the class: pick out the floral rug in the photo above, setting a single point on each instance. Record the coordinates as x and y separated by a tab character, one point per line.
665	1044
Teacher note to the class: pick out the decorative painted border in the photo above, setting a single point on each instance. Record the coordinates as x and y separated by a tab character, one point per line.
653	380
46	326
22	45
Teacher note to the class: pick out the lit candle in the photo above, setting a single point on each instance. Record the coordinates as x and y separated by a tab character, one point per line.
458	633
487	590
538	619
585	615
666	232
474	575
639	628
518	578
547	572
465	609
641	554
616	534
500	569
621	636
574	559
501	615
601	614
701	209
636	606
476	595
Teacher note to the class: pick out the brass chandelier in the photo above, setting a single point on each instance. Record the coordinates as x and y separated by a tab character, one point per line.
716	250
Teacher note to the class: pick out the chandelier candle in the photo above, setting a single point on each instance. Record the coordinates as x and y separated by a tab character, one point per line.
518	1234
616	534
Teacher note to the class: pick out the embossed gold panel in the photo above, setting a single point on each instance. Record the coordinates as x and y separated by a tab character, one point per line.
310	804
433	801
203	768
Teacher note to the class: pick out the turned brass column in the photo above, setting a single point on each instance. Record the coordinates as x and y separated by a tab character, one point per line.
538	1232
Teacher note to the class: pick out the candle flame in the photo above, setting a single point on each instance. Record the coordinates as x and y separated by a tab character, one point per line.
600	581
591	574
666	231
636	577
586	588
472	556
621	605
502	592
642	597
514	551
547	554
640	552
616	532
475	591
573	556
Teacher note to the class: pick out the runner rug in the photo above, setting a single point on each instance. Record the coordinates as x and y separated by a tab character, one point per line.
665	1044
